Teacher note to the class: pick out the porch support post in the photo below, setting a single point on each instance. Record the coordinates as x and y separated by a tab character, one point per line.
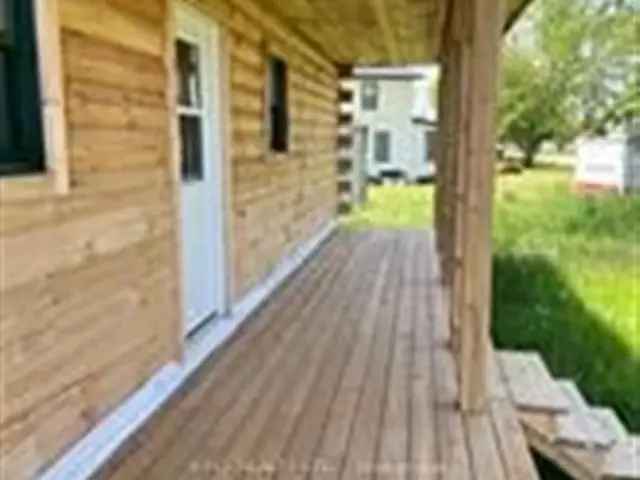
445	164
453	102
471	57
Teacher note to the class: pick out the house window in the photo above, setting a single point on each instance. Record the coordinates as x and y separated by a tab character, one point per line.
383	147
364	133
191	111
432	146
21	131
370	94
278	110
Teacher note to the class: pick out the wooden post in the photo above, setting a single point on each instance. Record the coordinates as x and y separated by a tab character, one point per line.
452	118
442	167
486	20
471	53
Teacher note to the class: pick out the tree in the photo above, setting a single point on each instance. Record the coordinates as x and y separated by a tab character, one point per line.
533	106
570	68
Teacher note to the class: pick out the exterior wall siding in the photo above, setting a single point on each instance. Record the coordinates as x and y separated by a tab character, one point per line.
279	200
89	281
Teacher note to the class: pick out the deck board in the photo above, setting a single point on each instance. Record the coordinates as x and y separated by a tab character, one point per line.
344	374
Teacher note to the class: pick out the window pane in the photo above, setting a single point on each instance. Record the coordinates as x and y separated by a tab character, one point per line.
5	22
432	146
365	140
191	142
188	68
21	134
5	132
382	147
278	105
369	95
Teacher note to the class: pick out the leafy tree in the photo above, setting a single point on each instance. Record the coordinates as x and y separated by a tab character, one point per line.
570	68
534	107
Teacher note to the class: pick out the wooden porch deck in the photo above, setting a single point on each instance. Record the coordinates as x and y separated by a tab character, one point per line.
344	374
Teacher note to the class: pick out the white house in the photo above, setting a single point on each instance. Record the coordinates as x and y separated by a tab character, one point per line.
395	122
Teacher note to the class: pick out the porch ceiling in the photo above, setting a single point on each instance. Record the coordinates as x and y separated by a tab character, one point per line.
373	32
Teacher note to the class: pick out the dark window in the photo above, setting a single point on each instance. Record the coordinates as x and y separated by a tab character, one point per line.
190	110
370	93
278	105
383	147
191	143
5	24
188	59
21	135
365	141
432	146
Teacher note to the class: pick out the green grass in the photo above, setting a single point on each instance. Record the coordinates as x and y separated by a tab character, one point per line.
567	283
566	277
394	207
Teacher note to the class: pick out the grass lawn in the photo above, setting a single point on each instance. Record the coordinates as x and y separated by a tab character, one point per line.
566	279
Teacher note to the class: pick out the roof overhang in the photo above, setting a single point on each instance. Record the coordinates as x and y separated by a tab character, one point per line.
374	32
515	13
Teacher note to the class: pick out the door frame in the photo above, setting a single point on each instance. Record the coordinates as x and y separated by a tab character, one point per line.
220	131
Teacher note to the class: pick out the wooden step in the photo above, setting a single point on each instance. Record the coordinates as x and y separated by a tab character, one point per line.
609	419
623	462
580	426
588	443
530	383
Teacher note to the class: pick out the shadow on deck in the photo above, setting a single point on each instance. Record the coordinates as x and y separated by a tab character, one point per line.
344	373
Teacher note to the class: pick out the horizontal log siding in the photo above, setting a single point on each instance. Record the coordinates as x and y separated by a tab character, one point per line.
89	280
279	200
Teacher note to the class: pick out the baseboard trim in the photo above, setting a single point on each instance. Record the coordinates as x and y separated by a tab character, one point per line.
94	450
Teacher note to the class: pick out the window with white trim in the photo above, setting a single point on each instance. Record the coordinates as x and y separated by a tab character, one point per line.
382	147
370	94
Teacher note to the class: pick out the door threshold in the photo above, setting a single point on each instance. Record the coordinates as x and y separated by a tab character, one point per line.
202	325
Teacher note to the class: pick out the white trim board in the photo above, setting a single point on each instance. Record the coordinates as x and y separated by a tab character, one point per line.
94	450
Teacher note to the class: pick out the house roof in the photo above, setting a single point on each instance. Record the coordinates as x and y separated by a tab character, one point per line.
374	32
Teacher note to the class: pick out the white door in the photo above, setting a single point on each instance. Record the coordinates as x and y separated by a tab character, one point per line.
196	64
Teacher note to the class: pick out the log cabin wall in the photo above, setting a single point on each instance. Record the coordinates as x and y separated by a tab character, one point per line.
279	200
89	280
